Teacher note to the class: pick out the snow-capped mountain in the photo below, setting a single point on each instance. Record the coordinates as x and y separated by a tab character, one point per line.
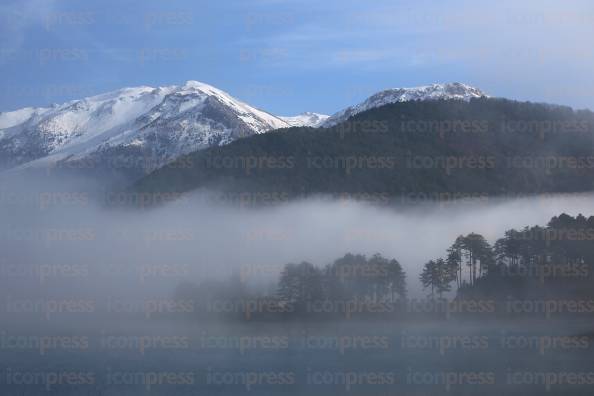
146	127
161	123
308	119
429	92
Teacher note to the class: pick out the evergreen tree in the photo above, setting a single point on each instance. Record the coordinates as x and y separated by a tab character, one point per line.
300	283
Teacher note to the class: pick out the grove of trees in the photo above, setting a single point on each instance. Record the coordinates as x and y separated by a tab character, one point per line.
553	260
353	276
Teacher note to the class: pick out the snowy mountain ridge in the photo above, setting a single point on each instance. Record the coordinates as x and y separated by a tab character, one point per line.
164	123
454	90
308	118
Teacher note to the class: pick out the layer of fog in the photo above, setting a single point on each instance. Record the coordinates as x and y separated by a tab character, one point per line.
131	252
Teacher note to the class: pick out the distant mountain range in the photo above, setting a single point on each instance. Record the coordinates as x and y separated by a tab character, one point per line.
440	138
138	130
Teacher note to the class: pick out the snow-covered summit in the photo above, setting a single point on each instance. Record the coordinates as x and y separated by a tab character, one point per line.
164	121
454	90
308	119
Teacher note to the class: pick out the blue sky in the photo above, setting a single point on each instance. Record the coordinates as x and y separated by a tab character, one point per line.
287	57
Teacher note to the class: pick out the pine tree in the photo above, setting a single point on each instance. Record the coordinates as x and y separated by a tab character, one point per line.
300	283
437	275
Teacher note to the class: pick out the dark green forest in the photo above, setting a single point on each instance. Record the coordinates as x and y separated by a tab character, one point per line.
486	146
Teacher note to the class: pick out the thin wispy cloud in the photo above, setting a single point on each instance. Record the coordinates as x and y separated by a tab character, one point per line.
530	50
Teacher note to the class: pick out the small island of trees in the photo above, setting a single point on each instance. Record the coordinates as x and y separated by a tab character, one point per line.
534	262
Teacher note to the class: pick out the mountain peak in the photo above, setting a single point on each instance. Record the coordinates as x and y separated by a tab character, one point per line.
438	91
165	122
193	84
307	119
453	90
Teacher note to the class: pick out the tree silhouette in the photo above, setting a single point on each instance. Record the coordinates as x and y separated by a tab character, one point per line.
438	276
300	283
396	280
475	251
454	259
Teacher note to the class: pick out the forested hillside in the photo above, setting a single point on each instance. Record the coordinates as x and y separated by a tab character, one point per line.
485	146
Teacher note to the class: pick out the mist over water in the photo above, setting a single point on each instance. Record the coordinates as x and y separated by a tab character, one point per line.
86	289
124	250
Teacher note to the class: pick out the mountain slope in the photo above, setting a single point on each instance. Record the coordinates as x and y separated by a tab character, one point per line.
432	149
136	130
162	123
430	92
